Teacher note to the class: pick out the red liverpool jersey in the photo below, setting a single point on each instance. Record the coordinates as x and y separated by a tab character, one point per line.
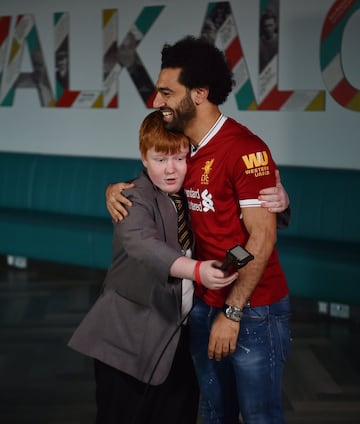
225	174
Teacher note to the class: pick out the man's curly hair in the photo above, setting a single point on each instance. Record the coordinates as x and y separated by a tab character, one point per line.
202	65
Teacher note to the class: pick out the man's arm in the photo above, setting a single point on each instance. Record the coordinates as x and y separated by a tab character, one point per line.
261	226
115	202
275	199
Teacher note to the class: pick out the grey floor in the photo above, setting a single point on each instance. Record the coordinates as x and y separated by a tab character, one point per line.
44	382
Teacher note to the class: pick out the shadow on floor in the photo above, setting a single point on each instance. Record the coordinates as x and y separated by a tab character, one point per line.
44	382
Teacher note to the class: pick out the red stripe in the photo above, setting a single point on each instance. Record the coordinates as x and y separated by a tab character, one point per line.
343	92
234	52
4	27
275	99
67	99
150	100
336	13
113	103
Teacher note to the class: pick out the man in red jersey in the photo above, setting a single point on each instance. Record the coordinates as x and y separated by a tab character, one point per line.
239	336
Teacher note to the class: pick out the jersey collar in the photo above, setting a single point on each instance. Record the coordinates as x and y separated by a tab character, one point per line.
210	134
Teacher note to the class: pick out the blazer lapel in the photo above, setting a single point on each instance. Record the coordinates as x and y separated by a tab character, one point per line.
169	217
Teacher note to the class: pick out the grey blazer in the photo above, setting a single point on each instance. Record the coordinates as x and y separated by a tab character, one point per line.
137	313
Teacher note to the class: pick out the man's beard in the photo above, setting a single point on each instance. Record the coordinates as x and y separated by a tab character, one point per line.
182	115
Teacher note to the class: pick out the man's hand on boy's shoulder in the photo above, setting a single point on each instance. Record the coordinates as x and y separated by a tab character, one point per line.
115	202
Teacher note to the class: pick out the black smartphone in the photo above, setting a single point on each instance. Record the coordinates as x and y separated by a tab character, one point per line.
236	257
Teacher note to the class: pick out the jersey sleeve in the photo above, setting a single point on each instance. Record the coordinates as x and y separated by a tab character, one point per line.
253	170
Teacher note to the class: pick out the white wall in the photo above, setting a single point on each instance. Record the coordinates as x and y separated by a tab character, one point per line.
328	138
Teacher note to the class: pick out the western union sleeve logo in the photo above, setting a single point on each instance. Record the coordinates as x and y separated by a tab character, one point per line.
255	160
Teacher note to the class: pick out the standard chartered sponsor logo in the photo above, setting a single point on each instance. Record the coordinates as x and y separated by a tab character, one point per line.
205	205
207	202
192	194
195	206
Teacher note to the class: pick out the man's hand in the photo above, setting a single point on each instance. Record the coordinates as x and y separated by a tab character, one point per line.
116	202
275	198
223	337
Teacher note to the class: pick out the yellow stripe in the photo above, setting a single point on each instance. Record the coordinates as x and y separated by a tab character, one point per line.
107	15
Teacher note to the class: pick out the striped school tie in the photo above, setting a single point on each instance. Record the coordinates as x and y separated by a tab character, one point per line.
184	232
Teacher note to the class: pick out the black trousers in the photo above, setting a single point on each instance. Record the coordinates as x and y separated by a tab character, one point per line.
121	399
